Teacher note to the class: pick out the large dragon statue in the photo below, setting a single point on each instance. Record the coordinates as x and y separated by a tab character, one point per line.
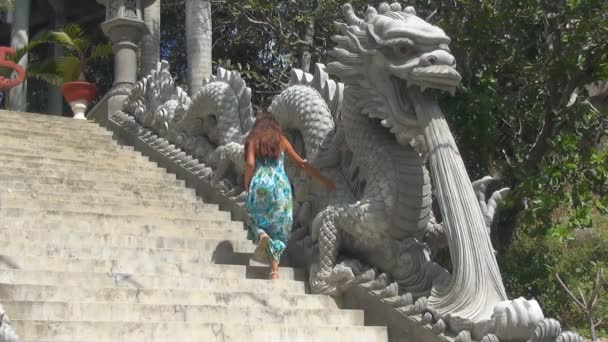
374	133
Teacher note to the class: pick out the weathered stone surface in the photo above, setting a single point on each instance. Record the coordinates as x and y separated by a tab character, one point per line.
98	243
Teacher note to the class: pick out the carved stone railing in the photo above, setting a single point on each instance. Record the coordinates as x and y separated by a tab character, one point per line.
372	135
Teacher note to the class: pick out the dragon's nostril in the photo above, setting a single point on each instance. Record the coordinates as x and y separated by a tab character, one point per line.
432	60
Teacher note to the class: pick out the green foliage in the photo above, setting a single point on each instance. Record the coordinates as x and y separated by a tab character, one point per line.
577	263
80	52
523	113
38	69
79	49
264	34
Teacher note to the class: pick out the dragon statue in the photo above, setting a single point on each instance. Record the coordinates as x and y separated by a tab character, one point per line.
374	133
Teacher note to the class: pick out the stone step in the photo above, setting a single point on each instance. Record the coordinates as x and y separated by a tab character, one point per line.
96	198
143	164
144	267
139	281
50	134
168	229
92	183
158	224
58	125
127	312
79	173
54	144
188	332
53	128
169	209
58	138
118	155
209	252
91	179
244	298
117	237
45	164
42	118
36	150
183	194
80	239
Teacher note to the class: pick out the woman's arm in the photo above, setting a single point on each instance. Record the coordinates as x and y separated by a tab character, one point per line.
305	166
249	165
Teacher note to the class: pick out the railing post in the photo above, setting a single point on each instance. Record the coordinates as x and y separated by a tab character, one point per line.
124	27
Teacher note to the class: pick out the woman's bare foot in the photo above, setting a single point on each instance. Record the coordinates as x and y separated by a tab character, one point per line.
274	274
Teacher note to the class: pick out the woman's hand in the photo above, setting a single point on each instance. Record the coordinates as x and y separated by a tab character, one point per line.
329	184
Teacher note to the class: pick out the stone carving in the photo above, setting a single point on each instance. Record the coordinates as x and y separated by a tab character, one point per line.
382	59
113	8
373	134
210	126
131	8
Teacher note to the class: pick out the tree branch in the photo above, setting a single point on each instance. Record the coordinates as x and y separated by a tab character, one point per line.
576	301
598	284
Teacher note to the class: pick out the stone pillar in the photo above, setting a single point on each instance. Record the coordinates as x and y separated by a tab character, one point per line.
55	98
150	43
17	99
125	28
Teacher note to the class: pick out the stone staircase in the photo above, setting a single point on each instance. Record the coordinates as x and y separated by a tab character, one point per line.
99	244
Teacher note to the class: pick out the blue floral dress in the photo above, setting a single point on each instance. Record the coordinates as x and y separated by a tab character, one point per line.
269	205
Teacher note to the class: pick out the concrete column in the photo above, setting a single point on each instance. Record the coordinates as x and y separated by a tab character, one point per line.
125	34
17	99
125	30
55	98
150	43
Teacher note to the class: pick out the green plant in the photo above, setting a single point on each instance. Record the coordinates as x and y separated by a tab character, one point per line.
39	69
80	51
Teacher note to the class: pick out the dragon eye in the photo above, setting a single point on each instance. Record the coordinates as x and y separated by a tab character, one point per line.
432	60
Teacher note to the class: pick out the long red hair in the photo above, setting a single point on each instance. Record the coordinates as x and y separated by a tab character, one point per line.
265	136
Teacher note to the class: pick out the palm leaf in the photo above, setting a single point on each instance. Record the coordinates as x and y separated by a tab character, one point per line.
64	39
81	45
45	71
69	68
71	37
73	31
100	51
42	37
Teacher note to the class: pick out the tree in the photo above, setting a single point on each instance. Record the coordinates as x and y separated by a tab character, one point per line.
198	42
150	43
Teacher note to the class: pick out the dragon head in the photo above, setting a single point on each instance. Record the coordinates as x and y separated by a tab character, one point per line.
388	52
